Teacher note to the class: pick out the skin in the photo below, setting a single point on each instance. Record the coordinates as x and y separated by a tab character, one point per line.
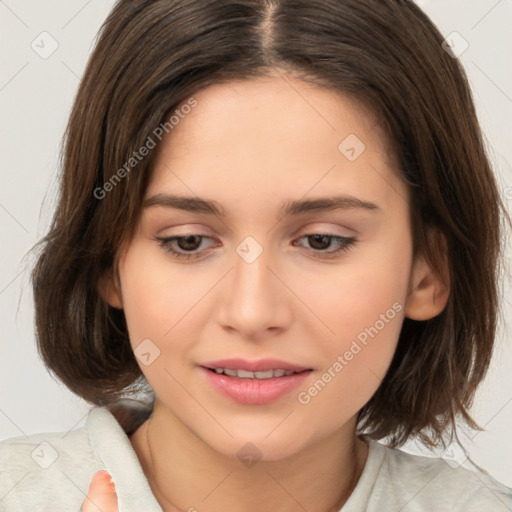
102	495
250	146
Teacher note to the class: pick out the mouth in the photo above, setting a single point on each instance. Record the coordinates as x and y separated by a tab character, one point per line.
255	383
246	374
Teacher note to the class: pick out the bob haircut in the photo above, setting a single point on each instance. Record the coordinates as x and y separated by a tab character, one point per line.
151	56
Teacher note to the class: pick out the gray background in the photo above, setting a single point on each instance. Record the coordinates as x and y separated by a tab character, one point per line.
35	99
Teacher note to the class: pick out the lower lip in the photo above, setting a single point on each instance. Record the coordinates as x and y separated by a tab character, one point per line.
255	391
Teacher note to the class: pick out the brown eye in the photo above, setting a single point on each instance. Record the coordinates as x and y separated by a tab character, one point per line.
189	243
182	246
319	242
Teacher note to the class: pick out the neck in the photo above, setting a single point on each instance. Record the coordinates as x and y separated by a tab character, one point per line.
185	473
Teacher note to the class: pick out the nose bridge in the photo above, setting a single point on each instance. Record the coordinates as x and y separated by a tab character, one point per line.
252	277
255	299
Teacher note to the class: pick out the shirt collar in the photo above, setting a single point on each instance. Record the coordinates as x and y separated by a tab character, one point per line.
112	445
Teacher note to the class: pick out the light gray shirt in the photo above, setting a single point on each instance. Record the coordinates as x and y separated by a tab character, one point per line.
52	472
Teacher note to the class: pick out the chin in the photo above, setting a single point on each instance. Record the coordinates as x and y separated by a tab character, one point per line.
259	447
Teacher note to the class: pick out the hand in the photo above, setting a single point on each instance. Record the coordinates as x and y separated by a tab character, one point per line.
102	495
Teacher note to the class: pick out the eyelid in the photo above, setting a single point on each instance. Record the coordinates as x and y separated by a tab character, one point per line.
347	242
327	228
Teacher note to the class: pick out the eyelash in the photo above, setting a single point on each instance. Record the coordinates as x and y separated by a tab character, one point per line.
347	243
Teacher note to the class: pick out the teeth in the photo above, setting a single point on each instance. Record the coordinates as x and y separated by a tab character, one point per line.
244	374
261	375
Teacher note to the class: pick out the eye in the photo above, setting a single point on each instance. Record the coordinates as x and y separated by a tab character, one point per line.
321	241
187	243
187	247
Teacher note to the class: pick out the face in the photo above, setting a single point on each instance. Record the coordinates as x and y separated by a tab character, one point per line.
323	291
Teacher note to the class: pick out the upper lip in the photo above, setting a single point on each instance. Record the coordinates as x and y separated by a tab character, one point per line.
261	365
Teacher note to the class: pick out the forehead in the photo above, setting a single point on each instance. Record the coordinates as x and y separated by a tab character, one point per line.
274	136
294	111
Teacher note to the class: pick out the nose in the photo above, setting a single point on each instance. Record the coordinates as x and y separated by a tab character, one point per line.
255	298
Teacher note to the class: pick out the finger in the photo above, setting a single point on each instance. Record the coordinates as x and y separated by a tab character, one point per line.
102	495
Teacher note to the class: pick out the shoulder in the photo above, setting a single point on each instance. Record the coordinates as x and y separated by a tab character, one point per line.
52	471
46	471
420	483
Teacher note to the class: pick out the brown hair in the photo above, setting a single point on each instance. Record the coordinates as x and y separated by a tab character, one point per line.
152	55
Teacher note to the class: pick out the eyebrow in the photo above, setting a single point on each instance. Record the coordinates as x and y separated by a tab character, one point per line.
199	205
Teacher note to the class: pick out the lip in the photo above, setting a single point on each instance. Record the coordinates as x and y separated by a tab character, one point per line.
254	366
254	391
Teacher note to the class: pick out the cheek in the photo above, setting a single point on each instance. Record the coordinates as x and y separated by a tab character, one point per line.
156	302
363	306
155	296
366	289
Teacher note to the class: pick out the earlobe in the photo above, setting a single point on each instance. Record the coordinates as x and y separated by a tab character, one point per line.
110	291
428	293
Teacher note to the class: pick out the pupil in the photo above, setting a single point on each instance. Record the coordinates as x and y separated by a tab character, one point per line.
316	238
184	242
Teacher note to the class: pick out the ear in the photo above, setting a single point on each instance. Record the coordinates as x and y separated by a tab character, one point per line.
110	290
428	291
